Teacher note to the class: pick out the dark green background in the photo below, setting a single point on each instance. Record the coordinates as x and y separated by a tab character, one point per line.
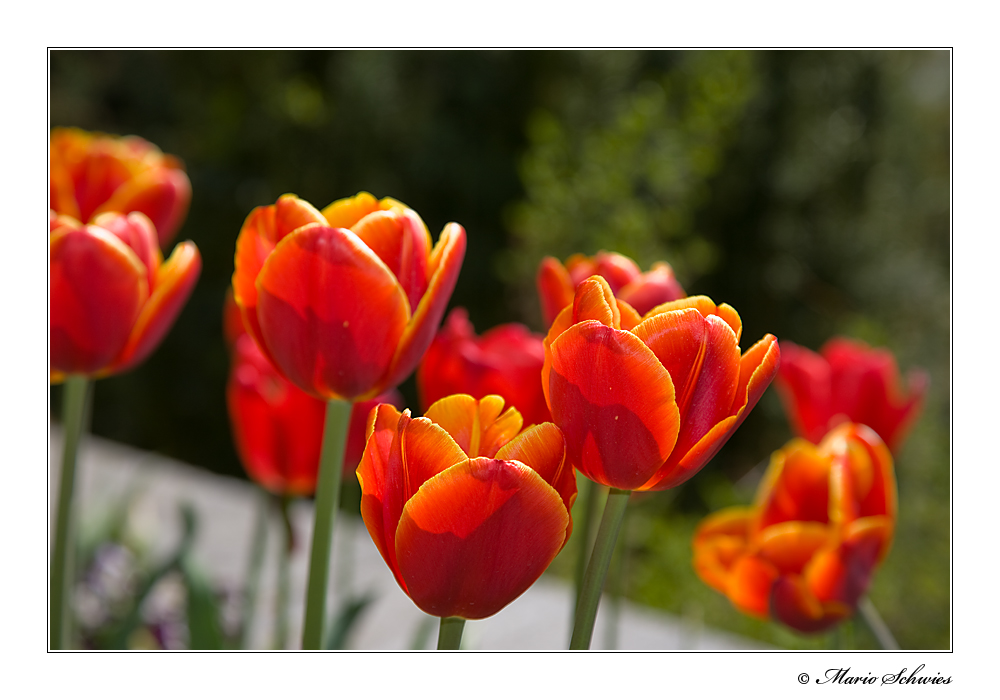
810	190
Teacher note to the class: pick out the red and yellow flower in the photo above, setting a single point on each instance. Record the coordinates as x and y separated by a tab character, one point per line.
345	301
466	509
847	381
641	290
93	173
822	521
506	360
646	401
112	297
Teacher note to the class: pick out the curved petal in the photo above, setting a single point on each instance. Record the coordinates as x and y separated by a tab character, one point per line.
757	368
543	448
652	288
477	426
555	288
97	287
614	402
401	241
346	212
379	475
330	311
703	360
843	573
795	605
789	546
617	269
163	194
476	536
594	301
445	263
175	281
749	585
719	542
138	233
797	486
705	307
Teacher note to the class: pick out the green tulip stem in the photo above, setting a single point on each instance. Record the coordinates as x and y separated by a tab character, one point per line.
75	410
615	586
589	492
256	563
331	460
450	633
284	586
597	569
876	624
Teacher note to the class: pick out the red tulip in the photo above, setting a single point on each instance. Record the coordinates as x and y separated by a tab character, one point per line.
92	173
641	290
645	402
112	297
344	302
848	382
506	360
805	552
277	427
466	510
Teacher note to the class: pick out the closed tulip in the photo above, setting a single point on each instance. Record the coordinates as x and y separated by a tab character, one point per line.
646	401
641	290
277	427
466	509
344	301
112	297
93	173
847	381
822	521
507	360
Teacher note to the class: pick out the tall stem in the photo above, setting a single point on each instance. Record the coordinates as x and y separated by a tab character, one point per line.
589	492
597	569
331	460
616	589
450	633
75	413
284	557
252	584
876	624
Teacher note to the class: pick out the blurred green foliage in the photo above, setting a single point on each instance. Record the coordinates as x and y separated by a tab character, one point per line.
810	190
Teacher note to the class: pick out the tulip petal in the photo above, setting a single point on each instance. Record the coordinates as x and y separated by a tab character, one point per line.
617	269
594	301
796	486
720	540
804	385
331	312
614	402
476	536
175	281
345	213
379	475
97	287
401	241
705	307
162	194
555	289
795	605
137	232
652	288
789	546
703	360
445	263
543	448
478	427
843	573
749	585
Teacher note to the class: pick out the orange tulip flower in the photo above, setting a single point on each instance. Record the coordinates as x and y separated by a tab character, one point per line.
822	521
466	510
93	173
641	290
344	301
646	401
506	360
847	381
112	297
